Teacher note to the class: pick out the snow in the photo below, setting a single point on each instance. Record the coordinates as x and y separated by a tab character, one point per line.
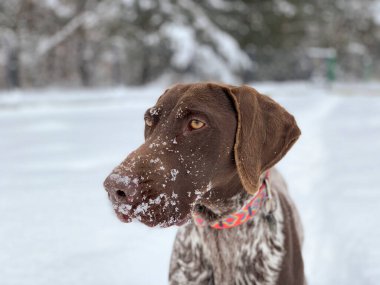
123	208
183	43
209	186
223	54
316	52
57	147
51	42
120	179
286	8
357	48
173	173
376	11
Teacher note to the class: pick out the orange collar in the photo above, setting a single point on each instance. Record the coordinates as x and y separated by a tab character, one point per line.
243	215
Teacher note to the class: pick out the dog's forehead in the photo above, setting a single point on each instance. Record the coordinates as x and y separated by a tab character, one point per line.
191	96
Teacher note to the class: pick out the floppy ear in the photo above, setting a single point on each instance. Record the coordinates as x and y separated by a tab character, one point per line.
265	133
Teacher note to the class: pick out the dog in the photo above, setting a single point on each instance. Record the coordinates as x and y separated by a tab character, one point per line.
207	165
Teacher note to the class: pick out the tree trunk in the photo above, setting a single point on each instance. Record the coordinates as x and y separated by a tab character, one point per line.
83	62
13	68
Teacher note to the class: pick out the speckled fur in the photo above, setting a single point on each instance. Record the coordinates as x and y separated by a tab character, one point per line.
249	254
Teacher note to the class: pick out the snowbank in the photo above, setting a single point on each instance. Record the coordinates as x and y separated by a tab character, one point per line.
57	147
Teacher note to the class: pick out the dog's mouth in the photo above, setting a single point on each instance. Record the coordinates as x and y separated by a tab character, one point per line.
122	212
126	214
123	217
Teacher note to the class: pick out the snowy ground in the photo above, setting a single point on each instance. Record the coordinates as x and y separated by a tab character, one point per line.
56	148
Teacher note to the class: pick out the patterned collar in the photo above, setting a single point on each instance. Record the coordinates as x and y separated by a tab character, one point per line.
245	213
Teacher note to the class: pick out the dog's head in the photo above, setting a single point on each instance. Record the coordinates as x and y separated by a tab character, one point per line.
204	143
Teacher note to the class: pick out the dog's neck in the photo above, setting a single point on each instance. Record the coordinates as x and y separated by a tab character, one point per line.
265	243
212	212
212	208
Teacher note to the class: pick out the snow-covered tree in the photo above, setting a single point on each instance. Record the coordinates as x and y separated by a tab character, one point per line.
106	42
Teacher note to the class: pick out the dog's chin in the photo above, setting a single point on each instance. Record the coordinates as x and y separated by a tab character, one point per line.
164	223
151	219
208	214
123	217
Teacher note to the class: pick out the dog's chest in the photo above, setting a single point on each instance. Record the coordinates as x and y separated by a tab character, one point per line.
249	254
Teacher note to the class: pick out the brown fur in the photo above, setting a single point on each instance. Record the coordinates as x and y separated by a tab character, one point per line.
213	171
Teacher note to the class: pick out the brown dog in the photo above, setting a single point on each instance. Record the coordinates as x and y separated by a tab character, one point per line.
207	150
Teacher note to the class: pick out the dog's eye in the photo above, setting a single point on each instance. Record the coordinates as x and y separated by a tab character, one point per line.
148	121
196	124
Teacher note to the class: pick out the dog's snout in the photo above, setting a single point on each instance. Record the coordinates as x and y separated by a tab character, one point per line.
108	184
118	189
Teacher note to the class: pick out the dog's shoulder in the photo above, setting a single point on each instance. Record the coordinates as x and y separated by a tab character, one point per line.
279	185
292	268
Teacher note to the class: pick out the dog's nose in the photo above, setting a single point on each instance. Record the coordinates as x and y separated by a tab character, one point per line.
120	196
120	193
118	190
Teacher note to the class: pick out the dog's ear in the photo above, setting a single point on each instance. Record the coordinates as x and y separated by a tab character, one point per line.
265	133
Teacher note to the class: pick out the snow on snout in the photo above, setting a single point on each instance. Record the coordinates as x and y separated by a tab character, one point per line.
158	162
157	200
173	173
141	209
123	208
126	180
